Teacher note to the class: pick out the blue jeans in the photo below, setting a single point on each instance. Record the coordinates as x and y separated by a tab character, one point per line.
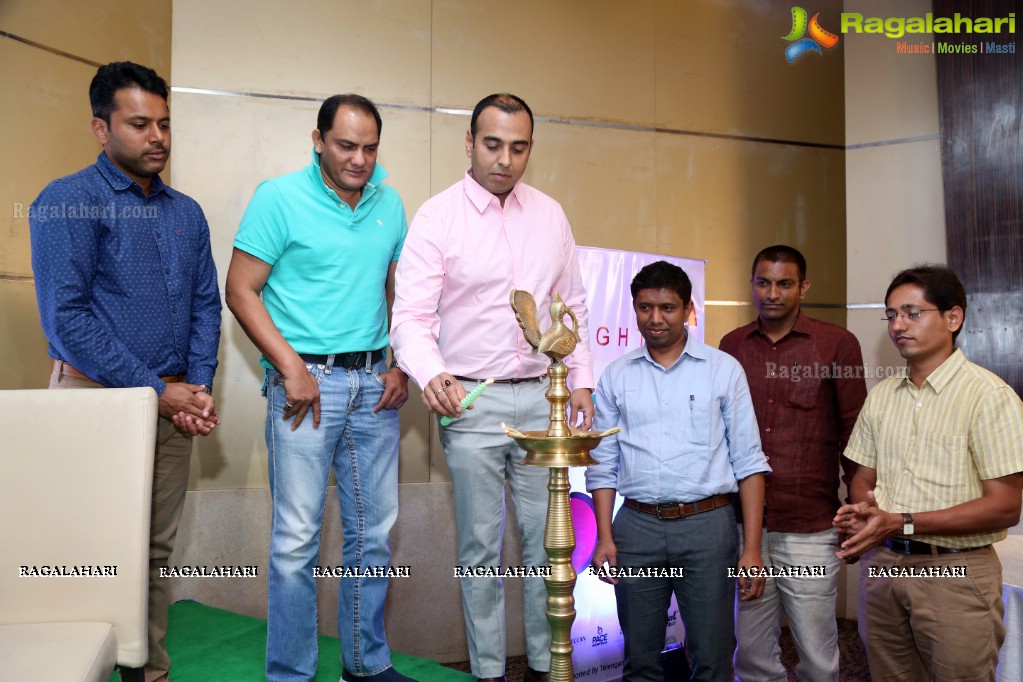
362	448
706	545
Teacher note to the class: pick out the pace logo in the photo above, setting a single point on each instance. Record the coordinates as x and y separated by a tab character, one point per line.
800	45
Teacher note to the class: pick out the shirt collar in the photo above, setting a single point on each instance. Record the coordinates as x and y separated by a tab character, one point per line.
939	378
375	179
693	348
481	197
120	180
802	326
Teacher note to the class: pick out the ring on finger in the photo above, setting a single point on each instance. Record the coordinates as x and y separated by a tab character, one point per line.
288	406
439	390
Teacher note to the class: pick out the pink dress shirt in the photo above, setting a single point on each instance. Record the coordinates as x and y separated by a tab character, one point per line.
463	255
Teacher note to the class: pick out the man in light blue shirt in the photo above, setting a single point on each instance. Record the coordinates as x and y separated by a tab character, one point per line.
689	441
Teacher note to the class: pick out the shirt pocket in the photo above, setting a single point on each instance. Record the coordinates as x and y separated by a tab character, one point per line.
943	469
704	427
804	393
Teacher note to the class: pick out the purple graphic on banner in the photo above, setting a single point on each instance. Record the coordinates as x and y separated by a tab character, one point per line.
584	523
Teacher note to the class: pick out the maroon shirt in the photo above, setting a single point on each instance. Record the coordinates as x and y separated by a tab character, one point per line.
807	391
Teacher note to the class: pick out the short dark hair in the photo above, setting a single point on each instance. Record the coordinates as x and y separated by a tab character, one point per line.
116	76
663	275
781	253
940	284
508	103
328	111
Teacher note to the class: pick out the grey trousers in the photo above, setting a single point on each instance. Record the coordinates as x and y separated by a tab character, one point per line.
481	457
705	545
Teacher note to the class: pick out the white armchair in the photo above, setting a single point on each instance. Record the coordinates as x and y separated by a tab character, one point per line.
76	472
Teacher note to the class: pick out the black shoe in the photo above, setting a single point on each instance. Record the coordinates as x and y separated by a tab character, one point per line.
388	675
533	676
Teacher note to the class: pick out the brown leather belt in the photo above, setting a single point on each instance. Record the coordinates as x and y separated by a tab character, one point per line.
69	371
504	381
670	511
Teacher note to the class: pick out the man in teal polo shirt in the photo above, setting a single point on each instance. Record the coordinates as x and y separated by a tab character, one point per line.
311	281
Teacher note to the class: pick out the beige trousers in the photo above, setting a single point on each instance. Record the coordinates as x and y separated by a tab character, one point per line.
942	628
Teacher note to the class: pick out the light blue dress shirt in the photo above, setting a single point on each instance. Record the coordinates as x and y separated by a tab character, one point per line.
688	431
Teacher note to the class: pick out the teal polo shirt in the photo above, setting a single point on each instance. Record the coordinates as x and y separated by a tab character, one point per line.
328	262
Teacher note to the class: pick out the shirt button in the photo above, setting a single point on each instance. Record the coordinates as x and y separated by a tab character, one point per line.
166	271
770	401
774	347
773	373
919	404
768	429
159	235
174	309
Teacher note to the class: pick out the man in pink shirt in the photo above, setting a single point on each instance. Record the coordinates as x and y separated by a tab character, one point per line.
453	327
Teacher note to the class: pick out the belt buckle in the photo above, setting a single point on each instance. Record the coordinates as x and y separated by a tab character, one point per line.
657	510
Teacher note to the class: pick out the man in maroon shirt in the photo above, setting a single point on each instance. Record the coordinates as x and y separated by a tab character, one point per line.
807	382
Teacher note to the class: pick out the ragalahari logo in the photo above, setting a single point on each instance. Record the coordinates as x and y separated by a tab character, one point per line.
819	37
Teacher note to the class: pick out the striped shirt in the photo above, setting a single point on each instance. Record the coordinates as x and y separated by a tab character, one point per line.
932	446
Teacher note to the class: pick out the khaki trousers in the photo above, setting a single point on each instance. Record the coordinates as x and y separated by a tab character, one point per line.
170	482
941	628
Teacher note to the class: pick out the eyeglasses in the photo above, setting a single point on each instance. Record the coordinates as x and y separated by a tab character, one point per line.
910	315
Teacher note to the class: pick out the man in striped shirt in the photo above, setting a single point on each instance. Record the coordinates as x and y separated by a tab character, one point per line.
941	455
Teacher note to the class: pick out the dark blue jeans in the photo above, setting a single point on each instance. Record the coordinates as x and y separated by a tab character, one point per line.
706	545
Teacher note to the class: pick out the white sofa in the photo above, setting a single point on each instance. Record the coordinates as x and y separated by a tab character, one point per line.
76	471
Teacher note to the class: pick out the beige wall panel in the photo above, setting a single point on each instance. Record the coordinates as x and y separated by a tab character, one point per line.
379	49
604	178
448	161
575	164
879	353
106	31
225	146
837	316
722	319
47	116
889	96
22	344
896	214
561	57
724	200
721	68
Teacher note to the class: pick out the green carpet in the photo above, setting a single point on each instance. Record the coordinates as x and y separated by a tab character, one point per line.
207	644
